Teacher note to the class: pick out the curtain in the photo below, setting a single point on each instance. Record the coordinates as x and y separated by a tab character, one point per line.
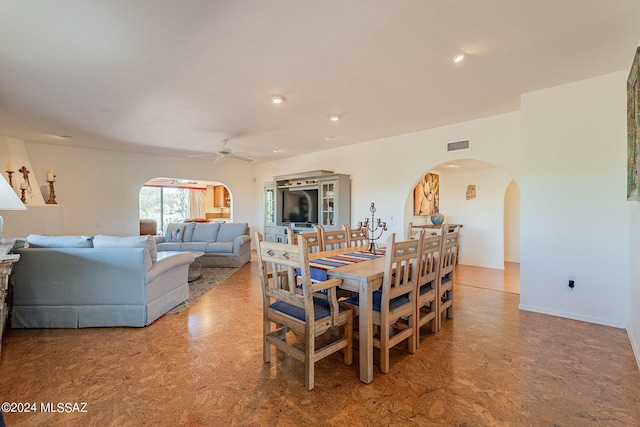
196	203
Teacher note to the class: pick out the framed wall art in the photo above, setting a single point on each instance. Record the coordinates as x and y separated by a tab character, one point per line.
633	130
426	195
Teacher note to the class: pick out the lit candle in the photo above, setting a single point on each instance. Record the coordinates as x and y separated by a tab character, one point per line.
10	167
23	185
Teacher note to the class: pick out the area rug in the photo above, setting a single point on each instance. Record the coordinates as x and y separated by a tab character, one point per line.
210	278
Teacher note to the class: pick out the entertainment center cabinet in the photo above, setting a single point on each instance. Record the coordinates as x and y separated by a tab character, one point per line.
304	200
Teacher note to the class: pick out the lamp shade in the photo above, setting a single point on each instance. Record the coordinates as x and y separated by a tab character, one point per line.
9	200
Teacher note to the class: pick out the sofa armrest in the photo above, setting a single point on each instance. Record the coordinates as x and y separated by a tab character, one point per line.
159	238
240	244
167	263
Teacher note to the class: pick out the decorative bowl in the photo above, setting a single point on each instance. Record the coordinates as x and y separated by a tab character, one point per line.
437	219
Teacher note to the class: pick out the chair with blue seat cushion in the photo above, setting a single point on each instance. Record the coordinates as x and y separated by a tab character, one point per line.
305	311
333	239
394	305
428	283
356	236
313	239
448	260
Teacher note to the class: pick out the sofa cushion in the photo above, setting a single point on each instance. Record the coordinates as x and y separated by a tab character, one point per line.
169	246
219	248
44	241
174	232
229	231
147	242
194	246
188	231
205	232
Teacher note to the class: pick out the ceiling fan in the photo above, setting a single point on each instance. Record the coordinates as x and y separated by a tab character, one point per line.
224	153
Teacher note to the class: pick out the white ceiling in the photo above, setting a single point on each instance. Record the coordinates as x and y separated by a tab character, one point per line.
176	76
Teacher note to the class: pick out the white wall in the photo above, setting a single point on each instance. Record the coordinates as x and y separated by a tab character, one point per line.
633	327
574	213
512	223
482	242
386	170
98	190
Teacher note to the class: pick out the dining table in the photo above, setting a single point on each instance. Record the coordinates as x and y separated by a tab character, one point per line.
364	277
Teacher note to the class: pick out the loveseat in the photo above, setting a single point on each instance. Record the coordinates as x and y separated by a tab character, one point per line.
85	281
223	244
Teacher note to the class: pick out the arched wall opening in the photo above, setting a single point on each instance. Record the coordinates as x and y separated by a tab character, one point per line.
480	196
166	200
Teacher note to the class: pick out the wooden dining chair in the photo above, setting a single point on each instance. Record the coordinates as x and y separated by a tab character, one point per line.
356	236
309	314
394	305
428	282
313	239
428	229
448	261
333	239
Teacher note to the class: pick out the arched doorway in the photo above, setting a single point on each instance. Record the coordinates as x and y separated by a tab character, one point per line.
480	196
169	200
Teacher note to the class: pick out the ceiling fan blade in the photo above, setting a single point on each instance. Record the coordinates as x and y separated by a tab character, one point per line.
244	159
202	155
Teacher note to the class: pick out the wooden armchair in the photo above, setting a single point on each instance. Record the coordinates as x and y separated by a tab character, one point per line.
394	306
448	260
308	314
428	282
333	239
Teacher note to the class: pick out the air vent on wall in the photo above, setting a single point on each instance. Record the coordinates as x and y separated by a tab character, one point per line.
458	145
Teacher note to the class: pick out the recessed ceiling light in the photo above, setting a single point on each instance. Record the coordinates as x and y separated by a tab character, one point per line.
278	99
65	136
277	150
452	165
328	138
458	58
335	117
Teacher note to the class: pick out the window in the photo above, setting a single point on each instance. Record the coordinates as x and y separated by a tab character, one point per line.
164	204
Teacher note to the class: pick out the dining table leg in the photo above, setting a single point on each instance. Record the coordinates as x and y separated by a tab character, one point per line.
366	333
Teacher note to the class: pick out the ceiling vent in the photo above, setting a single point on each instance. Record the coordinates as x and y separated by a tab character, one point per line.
458	145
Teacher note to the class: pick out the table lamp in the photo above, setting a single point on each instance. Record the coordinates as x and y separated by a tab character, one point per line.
9	200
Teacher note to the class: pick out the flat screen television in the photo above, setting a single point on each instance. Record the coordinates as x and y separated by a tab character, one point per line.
299	206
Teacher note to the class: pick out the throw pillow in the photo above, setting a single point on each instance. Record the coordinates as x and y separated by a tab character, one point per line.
146	242
44	241
188	232
174	232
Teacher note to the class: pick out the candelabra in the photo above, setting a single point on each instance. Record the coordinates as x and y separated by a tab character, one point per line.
370	231
52	193
10	175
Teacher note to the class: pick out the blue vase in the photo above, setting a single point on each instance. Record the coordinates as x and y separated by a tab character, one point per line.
437	219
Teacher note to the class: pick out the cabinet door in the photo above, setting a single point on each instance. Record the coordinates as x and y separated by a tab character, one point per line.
328	206
270	204
221	197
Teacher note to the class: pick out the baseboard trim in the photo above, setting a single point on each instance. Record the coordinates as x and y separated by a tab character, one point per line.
572	316
634	347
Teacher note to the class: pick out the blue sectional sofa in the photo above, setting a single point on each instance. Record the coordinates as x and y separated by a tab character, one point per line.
86	281
223	244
